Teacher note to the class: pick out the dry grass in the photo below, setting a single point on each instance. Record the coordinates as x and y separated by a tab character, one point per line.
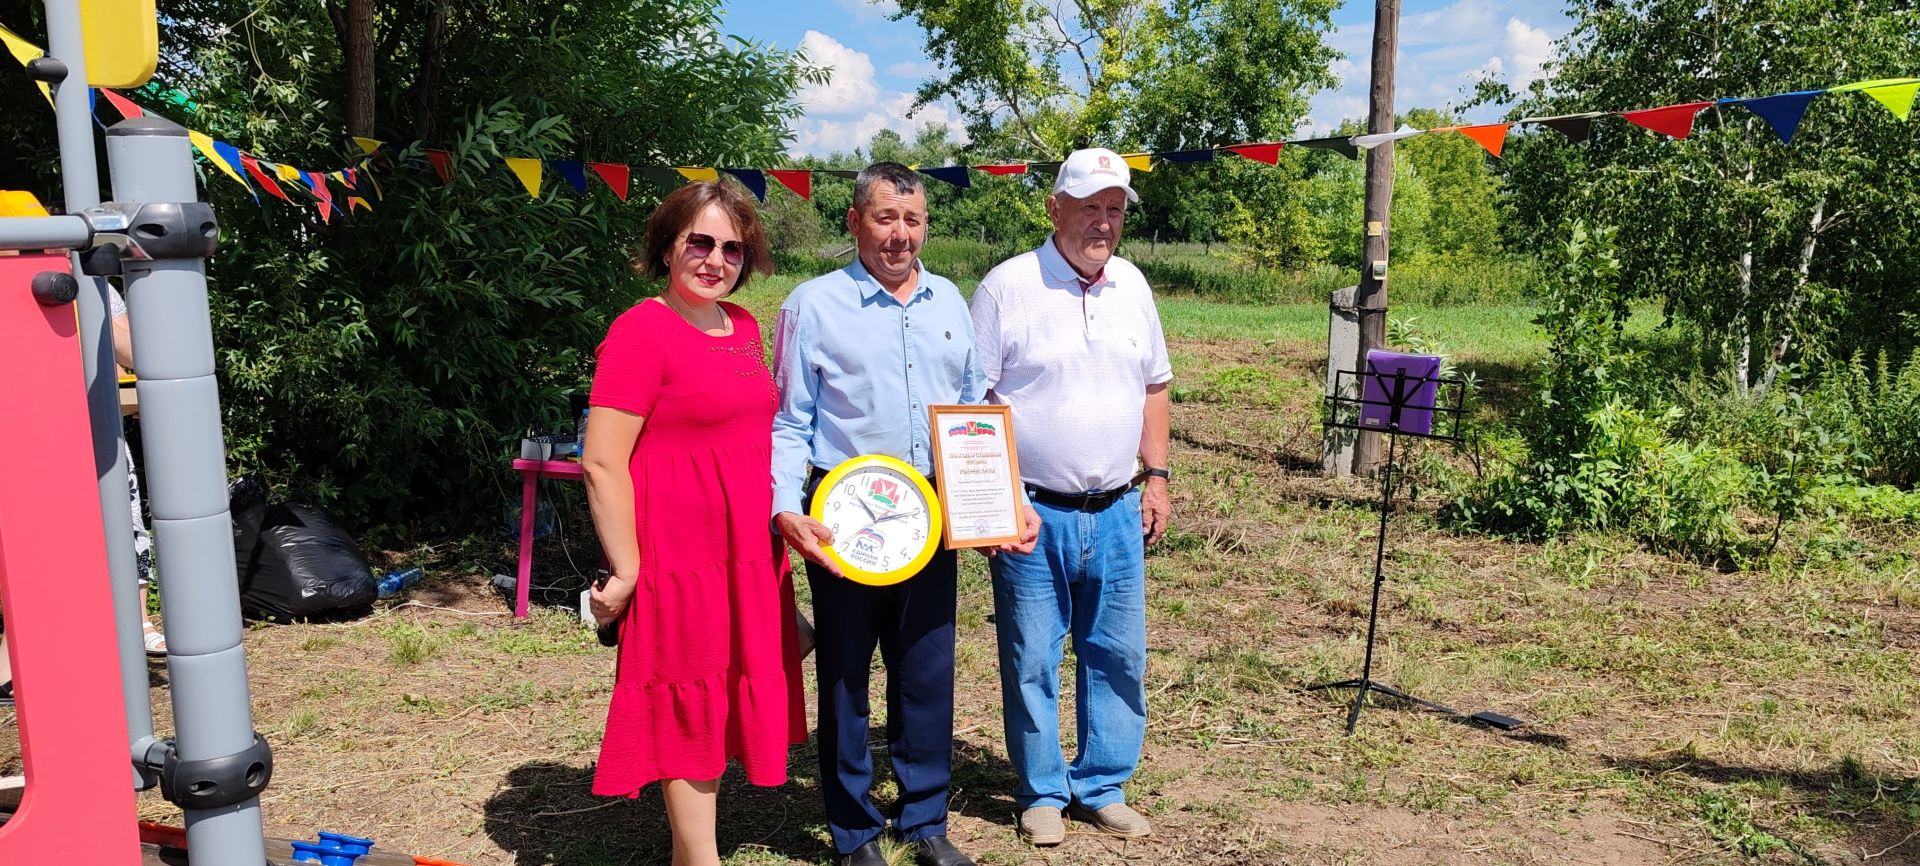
1678	714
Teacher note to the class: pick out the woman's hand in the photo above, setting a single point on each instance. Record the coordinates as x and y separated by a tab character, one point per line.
608	601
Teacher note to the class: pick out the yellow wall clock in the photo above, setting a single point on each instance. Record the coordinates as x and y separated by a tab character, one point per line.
884	516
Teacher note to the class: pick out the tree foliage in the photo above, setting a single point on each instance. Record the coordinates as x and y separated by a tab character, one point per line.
386	363
1773	255
1046	78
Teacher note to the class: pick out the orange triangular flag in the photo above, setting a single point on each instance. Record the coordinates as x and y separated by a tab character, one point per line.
1492	136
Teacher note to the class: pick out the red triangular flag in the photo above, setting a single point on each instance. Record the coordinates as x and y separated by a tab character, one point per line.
615	175
1003	170
265	180
1268	153
799	180
122	104
1674	120
442	164
1492	136
318	183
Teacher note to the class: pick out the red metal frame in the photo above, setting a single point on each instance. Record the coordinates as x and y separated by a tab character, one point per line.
79	805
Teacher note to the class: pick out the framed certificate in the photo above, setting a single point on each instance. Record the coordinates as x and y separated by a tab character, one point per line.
977	473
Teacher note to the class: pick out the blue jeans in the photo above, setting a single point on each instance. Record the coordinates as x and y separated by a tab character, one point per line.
1087	578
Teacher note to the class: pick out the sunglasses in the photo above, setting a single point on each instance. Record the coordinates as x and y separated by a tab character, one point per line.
700	246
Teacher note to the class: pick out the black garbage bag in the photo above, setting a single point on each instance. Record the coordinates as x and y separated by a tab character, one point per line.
294	560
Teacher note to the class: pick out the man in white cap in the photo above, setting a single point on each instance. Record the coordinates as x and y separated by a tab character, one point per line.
1069	337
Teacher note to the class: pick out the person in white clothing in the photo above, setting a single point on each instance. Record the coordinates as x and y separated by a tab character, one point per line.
1069	337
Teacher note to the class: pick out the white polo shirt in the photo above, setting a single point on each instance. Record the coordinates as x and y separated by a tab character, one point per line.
1073	362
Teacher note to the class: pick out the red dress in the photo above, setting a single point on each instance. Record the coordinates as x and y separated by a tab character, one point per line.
709	665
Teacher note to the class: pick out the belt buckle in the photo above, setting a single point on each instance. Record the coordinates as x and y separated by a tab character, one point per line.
1086	501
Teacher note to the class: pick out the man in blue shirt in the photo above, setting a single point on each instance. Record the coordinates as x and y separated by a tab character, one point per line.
860	355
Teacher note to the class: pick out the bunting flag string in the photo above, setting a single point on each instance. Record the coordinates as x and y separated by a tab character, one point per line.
1783	113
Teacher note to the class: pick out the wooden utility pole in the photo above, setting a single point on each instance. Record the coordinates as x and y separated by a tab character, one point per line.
1372	297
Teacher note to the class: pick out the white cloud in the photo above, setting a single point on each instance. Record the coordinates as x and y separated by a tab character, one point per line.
845	112
1530	48
1442	53
849	88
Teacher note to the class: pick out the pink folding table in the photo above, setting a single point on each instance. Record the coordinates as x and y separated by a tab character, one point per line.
531	471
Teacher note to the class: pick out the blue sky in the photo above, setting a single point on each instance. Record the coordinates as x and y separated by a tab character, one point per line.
1444	46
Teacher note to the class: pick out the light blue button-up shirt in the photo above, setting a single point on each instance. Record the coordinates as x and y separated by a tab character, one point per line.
857	370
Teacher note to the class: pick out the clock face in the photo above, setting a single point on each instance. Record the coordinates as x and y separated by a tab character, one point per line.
884	523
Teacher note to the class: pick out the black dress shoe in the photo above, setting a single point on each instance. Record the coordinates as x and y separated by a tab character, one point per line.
865	855
937	851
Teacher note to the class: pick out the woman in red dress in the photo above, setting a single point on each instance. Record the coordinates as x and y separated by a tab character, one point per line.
678	464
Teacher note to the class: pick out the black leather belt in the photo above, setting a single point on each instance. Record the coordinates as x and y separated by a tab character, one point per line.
1096	501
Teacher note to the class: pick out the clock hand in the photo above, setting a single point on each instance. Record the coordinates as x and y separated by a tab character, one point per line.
894	515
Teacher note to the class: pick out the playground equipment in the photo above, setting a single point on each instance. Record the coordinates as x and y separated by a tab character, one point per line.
83	714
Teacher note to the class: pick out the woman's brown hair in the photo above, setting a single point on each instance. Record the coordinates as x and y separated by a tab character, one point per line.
683	206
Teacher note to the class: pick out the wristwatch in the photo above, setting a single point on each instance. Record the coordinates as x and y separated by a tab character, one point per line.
1160	473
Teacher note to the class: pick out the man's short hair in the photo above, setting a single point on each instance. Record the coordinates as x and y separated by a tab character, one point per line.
905	181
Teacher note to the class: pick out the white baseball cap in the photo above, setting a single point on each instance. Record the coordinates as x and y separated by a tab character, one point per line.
1088	171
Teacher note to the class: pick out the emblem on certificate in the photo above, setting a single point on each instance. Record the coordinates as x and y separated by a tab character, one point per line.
978	474
884	519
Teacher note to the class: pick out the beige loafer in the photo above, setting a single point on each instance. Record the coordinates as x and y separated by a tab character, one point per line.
1041	826
1113	819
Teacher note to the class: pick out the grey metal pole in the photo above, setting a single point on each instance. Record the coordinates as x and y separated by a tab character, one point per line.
217	765
44	233
80	182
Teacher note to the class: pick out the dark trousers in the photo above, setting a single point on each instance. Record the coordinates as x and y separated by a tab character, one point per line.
912	623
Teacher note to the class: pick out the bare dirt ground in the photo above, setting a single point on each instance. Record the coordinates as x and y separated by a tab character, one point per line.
1677	713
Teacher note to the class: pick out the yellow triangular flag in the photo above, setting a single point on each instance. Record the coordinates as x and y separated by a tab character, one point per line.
528	171
286	172
706	174
340	176
367	144
204	143
354	201
1898	98
26	52
1138	161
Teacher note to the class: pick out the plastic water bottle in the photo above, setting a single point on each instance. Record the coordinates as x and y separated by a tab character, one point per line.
394	582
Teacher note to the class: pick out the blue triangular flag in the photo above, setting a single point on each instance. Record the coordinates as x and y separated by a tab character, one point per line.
573	171
752	178
953	174
1187	155
231	156
1781	111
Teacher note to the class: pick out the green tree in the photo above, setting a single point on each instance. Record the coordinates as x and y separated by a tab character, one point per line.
386	362
1773	255
1165	74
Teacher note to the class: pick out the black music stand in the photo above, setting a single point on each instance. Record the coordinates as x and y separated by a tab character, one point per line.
1402	395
